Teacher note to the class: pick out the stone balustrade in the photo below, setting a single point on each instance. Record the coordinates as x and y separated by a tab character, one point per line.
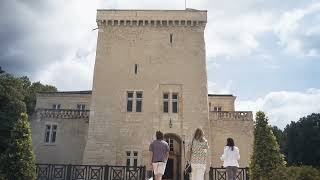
231	115
63	113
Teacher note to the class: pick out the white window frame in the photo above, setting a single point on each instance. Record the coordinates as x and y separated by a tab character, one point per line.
51	133
56	106
138	99
170	142
130	99
217	108
81	107
132	157
173	101
134	99
165	100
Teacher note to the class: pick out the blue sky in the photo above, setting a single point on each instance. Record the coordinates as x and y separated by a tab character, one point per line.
267	53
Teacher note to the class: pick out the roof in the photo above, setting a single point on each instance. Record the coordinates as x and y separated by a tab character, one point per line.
67	92
90	92
229	95
168	10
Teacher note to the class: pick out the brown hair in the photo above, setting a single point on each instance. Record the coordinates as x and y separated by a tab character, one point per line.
199	135
159	135
230	143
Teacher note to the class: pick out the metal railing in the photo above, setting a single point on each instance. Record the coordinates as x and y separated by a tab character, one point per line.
106	172
221	174
89	172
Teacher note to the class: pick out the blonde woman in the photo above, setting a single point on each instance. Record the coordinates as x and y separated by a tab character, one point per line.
198	154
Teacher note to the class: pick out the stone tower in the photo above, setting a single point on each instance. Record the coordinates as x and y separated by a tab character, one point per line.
150	74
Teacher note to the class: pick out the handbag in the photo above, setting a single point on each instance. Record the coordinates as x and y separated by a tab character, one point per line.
188	168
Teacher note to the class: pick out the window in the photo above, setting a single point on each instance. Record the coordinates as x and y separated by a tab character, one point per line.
217	108
56	106
132	158
136	68
165	102
171	35
138	101
51	133
170	143
81	106
129	101
134	98
174	103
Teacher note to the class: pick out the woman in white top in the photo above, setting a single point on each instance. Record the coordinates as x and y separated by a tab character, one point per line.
230	158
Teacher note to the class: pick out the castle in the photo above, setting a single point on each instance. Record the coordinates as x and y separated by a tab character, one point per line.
150	74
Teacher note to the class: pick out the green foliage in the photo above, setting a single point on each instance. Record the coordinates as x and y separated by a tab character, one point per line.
280	137
266	152
303	141
17	162
11	106
32	90
16	156
295	173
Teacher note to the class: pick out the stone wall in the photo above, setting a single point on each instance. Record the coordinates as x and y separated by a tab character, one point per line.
68	100
237	125
72	126
226	102
168	49
70	139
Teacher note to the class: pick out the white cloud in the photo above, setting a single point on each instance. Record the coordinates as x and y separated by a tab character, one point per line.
63	43
235	35
298	30
70	74
225	88
282	107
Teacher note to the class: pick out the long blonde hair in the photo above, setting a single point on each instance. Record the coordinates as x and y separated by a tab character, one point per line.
199	135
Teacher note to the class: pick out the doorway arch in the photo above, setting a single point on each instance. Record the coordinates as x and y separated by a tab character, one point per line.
173	168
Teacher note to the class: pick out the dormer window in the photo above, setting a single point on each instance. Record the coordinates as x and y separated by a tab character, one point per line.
56	106
81	107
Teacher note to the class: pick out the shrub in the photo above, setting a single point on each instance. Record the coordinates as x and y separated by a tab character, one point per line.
295	173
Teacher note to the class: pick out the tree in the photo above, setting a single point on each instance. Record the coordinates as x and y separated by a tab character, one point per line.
16	157
17	162
266	152
280	137
303	141
11	106
32	90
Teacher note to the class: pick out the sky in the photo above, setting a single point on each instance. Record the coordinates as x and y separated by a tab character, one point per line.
267	53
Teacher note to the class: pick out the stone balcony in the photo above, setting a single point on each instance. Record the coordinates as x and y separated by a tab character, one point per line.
63	113
231	115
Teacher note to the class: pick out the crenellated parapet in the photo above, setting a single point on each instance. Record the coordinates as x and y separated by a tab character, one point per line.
231	115
63	113
152	18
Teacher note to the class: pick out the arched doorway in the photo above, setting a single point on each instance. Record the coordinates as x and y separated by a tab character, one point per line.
173	168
